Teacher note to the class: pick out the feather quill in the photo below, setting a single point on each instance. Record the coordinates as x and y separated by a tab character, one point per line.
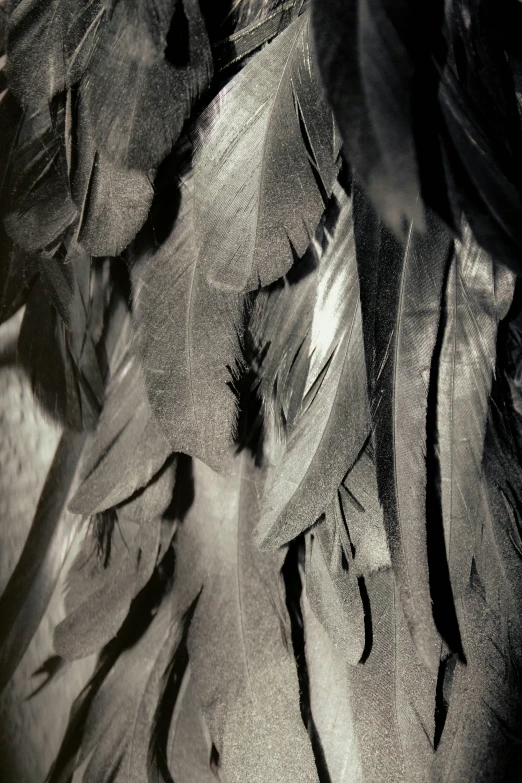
247	182
240	628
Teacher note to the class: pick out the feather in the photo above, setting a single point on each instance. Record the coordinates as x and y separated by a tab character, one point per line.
330	699
126	450
409	293
247	182
146	53
362	514
66	372
482	128
185	347
49	45
113	201
29	590
373	688
326	424
477	296
100	593
240	629
122	715
482	733
152	603
36	199
332	586
368	55
190	746
17	271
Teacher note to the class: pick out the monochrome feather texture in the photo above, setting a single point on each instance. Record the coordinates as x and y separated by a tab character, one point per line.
267	251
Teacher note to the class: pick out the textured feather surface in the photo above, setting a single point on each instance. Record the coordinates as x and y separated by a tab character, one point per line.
482	736
78	743
120	725
332	586
36	196
190	746
476	297
113	200
48	43
28	592
330	700
410	280
66	371
99	593
146	53
363	516
324	426
185	349
126	450
240	628
247	181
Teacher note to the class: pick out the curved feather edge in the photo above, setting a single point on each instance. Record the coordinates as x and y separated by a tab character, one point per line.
246	183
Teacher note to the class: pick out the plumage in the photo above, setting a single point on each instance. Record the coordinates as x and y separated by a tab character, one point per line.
113	200
240	628
263	249
410	280
246	182
482	731
145	54
127	435
477	296
28	592
332	585
37	205
49	45
326	424
65	369
120	738
100	593
330	700
185	350
190	746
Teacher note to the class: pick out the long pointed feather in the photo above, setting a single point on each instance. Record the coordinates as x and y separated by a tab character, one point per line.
330	700
323	435
247	183
406	330
475	301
